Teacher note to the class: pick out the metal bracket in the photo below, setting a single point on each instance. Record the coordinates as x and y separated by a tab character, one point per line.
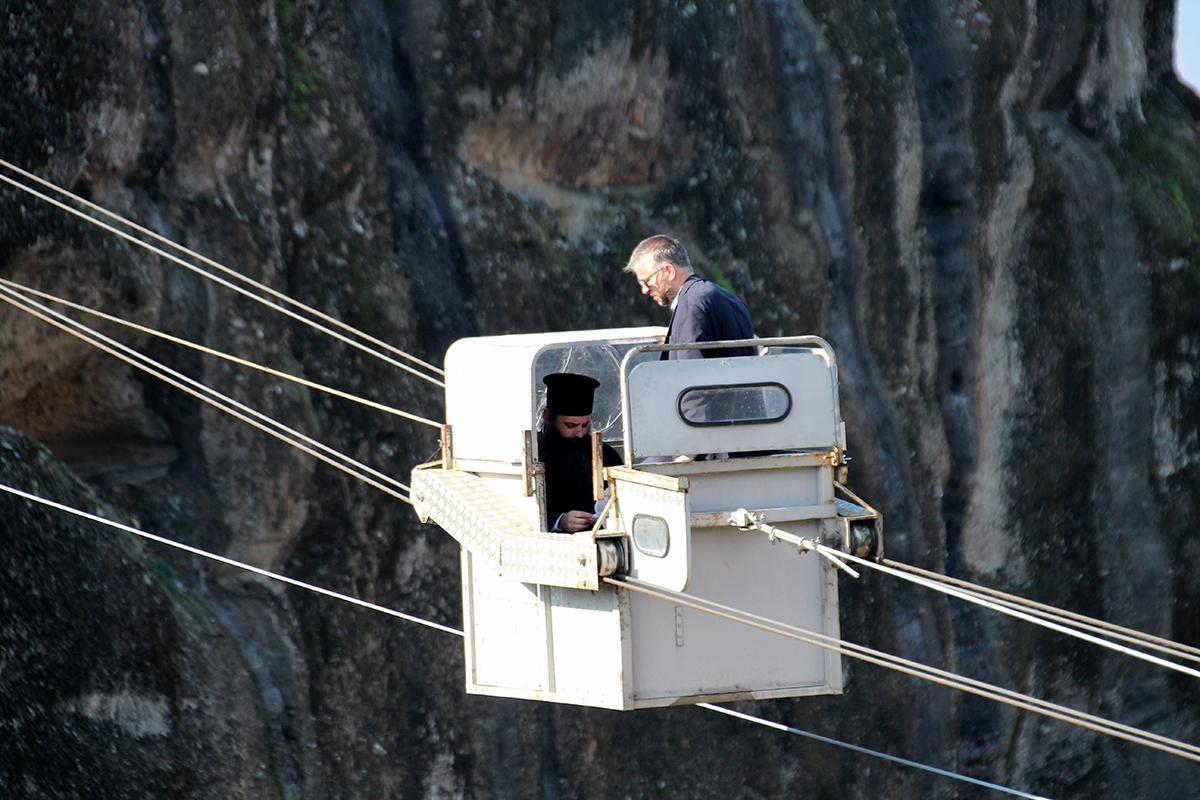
747	520
839	459
631	475
530	467
447	447
603	515
597	466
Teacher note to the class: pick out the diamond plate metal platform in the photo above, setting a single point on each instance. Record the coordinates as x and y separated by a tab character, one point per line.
499	536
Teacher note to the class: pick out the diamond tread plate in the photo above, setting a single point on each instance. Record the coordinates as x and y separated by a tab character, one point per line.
554	559
498	535
467	509
641	494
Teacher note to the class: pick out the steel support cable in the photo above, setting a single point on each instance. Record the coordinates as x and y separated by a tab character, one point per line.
205	393
221	267
229	561
230	406
1042	620
217	279
218	354
455	631
1066	617
916	669
867	751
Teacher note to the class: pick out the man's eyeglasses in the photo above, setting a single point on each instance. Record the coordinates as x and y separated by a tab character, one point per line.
643	282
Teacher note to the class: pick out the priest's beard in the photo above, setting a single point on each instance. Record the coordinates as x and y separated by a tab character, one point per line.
573	457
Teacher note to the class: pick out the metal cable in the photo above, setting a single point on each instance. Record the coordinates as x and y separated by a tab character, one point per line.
188	265
211	396
225	403
218	354
201	391
231	562
1160	743
1067	617
916	669
215	265
1043	620
866	751
455	631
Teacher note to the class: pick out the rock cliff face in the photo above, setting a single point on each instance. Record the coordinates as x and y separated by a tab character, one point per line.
987	207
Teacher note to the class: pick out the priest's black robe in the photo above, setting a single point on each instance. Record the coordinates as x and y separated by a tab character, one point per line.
568	465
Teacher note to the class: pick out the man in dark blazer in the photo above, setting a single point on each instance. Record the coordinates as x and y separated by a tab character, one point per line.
701	311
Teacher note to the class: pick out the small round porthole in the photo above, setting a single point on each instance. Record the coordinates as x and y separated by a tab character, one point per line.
651	536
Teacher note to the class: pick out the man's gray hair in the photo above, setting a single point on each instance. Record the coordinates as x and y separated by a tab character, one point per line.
659	250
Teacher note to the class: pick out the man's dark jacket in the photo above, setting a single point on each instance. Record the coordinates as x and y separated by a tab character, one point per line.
704	312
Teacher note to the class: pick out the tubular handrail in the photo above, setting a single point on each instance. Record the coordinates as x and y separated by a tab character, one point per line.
773	341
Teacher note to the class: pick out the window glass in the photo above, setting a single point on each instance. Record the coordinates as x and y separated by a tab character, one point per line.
741	404
600	361
651	536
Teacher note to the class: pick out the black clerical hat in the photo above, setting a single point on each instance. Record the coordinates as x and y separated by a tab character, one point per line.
570	394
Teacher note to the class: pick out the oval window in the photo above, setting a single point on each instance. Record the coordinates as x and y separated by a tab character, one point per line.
739	404
651	536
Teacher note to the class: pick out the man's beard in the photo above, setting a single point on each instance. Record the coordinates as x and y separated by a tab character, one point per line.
573	456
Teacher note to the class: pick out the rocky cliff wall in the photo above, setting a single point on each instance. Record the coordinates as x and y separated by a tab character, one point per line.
987	207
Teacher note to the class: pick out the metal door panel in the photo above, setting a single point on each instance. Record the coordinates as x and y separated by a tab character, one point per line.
657	389
644	511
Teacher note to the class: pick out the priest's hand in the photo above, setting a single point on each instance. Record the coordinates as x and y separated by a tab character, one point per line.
576	521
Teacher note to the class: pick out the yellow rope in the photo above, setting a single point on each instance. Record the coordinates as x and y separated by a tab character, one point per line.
218	354
188	265
230	406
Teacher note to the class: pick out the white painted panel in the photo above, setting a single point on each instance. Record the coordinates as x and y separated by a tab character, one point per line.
509	642
657	429
769	488
490	392
651	503
743	570
488	401
587	657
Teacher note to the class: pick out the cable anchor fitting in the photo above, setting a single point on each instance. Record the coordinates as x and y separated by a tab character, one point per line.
748	520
